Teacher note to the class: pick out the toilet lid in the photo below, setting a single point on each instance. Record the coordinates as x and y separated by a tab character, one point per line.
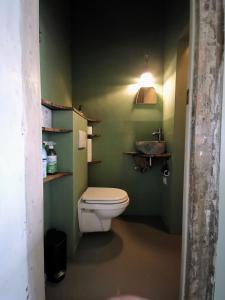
104	195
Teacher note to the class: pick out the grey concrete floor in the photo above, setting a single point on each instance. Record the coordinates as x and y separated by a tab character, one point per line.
137	258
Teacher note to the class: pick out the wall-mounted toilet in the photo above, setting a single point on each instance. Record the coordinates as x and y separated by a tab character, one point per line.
97	206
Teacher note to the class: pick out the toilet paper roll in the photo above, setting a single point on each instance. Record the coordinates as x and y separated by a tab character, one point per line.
89	130
89	150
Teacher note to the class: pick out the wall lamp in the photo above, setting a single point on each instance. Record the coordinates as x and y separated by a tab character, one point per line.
146	93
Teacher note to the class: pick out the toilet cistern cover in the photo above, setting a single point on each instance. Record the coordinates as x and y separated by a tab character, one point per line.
104	195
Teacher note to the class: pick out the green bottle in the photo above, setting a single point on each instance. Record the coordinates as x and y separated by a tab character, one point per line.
51	159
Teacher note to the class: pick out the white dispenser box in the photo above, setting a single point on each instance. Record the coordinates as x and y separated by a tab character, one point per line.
82	139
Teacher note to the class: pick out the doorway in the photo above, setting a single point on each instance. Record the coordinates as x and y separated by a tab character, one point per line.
96	109
100	78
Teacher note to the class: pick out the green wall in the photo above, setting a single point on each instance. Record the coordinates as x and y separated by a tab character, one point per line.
174	101
55	66
107	60
80	171
107	57
61	190
55	51
61	196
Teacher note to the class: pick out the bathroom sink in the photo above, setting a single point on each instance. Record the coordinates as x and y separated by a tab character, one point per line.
151	147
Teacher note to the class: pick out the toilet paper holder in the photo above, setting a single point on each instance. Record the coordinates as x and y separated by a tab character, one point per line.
165	169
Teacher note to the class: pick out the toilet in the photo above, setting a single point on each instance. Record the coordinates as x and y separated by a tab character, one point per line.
98	206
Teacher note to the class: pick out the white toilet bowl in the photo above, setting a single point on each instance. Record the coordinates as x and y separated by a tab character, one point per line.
97	207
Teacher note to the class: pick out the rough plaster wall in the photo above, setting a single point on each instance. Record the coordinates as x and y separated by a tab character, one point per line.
33	175
13	231
205	150
20	193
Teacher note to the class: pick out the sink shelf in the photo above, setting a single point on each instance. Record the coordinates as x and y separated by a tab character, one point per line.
163	155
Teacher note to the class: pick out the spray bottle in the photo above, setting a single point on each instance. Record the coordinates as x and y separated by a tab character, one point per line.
44	160
51	158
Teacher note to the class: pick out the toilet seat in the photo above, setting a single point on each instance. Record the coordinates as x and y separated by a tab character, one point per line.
104	196
98	206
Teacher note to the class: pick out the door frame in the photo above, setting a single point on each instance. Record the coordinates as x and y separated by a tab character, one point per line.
202	151
187	153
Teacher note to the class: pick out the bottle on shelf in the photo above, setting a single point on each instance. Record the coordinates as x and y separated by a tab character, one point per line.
51	158
44	161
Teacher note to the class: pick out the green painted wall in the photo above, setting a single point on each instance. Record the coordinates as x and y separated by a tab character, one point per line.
108	58
55	63
61	190
64	193
61	196
174	100
55	51
80	170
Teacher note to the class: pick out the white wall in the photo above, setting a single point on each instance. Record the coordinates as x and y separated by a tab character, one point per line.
13	233
20	187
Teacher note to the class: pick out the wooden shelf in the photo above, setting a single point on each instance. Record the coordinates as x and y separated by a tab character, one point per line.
163	155
54	106
56	176
56	130
93	120
90	120
91	136
94	162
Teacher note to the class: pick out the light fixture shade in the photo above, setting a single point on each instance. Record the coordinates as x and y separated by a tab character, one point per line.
146	95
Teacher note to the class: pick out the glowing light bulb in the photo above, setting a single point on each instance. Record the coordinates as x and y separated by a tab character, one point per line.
146	80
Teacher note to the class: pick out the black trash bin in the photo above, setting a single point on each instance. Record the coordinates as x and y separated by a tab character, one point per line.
55	255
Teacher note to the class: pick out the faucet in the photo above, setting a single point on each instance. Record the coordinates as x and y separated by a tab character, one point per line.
158	133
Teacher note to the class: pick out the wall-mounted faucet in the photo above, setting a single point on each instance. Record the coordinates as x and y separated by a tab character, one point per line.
158	133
